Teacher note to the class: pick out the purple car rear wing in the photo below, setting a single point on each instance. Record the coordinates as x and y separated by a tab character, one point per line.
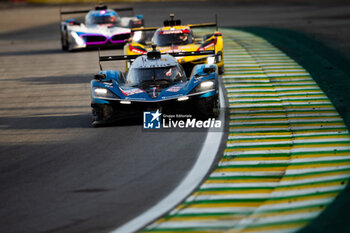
97	8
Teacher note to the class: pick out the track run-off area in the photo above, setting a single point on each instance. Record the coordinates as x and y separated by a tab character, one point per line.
287	155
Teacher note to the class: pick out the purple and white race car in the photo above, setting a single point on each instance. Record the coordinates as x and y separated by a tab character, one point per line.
102	27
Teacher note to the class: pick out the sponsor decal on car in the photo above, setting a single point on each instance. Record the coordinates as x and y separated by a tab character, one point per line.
172	96
184	47
174	89
133	91
207	46
175	31
174	49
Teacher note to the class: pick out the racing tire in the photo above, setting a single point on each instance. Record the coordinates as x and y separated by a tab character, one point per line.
219	58
221	70
209	107
64	44
101	114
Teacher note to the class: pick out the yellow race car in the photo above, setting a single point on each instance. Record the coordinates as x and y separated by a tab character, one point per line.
175	37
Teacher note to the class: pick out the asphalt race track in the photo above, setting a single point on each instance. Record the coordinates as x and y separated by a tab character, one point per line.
58	174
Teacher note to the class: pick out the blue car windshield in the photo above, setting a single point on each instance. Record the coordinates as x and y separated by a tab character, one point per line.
154	76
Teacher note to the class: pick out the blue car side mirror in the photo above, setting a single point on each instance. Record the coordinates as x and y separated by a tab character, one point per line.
99	77
209	70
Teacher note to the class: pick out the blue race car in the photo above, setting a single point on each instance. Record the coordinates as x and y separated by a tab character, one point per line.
155	81
102	27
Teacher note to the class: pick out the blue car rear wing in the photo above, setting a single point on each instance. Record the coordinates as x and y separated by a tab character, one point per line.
152	54
178	54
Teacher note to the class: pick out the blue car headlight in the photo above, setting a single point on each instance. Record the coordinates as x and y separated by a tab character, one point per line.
100	92
204	86
207	85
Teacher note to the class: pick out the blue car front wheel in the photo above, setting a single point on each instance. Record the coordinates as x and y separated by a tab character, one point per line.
101	114
209	107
